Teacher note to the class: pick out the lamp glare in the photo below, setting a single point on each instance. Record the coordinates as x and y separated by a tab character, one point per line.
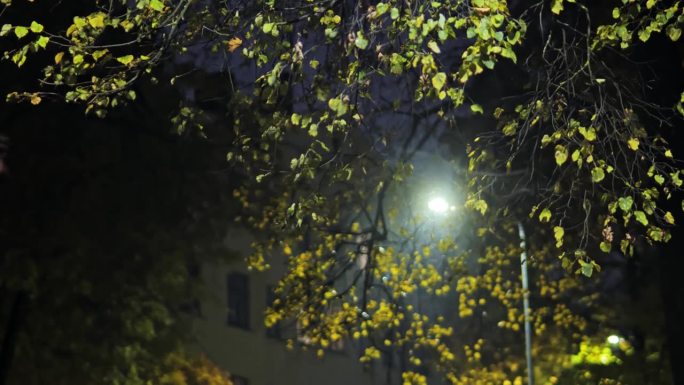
613	339
438	205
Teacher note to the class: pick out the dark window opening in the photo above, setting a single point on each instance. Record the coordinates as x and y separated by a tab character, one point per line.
193	306
239	380
238	300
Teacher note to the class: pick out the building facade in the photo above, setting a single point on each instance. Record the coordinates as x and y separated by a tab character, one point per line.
231	332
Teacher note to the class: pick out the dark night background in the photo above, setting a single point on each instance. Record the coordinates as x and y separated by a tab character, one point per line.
85	203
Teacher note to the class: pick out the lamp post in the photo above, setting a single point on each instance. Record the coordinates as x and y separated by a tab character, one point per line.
526	304
440	206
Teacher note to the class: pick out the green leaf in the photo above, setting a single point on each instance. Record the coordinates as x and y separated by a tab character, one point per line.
674	33
361	42
433	46
510	128
19	57
36	27
625	203
586	268
99	54
545	215
605	247
669	218
337	105
588	134
659	179
125	60
561	154
481	206
5	29
20	31
157	5
394	13
381	8
42	41
508	53
575	155
476	108
641	217
597	174
295	119
439	80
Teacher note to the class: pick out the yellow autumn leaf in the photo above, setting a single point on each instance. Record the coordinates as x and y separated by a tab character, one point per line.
545	215
633	144
234	44
58	57
125	60
558	233
96	20
100	53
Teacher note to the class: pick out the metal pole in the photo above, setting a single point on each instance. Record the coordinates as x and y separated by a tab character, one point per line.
526	305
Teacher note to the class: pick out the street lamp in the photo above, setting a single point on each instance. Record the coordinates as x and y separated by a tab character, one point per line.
613	339
439	205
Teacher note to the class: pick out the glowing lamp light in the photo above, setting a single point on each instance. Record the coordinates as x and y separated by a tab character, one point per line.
613	339
438	205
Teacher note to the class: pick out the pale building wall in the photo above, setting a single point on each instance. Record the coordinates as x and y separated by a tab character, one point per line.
264	360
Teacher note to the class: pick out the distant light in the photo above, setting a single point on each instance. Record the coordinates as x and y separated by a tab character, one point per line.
613	339
438	205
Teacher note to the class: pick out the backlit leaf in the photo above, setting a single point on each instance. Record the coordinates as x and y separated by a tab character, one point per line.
20	31
597	174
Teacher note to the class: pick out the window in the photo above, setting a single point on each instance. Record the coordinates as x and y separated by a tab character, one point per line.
238	300
193	306
275	330
239	380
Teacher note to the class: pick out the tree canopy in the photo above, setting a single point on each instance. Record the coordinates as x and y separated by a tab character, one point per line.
345	117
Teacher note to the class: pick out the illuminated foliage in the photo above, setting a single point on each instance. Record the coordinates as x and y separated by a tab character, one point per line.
334	106
183	369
